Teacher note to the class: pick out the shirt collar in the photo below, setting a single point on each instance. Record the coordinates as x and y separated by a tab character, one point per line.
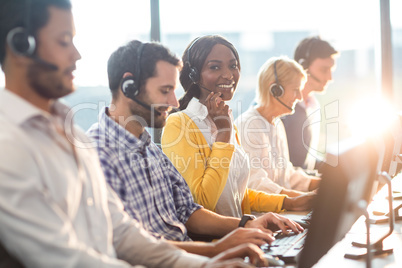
118	135
20	111
254	111
196	110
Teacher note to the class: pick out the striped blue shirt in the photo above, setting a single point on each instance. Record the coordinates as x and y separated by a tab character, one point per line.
150	187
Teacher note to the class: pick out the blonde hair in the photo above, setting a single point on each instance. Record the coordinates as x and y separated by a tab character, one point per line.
286	70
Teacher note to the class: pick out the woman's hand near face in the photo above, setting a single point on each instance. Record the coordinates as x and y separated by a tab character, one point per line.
219	113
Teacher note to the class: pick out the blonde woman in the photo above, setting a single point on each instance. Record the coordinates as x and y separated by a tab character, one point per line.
280	82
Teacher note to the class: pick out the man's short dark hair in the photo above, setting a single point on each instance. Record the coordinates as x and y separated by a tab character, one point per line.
312	48
30	14
124	59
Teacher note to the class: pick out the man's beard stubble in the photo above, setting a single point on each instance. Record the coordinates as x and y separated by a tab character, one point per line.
147	118
45	82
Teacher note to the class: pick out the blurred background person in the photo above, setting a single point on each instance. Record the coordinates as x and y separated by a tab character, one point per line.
318	59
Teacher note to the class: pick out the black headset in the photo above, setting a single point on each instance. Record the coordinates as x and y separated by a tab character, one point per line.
305	61
276	89
130	85
194	75
20	39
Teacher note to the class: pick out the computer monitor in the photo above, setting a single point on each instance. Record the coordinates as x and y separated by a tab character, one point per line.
343	186
392	141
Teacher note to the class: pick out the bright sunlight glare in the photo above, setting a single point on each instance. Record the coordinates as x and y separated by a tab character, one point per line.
370	117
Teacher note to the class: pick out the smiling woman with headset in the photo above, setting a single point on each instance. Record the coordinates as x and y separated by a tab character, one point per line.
280	82
202	141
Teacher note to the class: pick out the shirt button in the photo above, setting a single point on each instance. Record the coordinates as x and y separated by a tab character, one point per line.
90	202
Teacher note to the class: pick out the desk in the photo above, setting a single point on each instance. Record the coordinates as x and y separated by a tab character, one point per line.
358	234
335	256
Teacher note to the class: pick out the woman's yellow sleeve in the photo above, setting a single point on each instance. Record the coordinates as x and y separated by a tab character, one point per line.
205	170
263	202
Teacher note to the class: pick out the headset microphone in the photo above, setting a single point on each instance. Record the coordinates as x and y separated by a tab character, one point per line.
314	77
146	106
130	85
194	75
47	65
277	90
23	43
281	102
205	88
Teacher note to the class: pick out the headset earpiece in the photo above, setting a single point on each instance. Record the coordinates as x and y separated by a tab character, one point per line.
276	89
304	63
305	60
194	75
21	42
20	39
128	87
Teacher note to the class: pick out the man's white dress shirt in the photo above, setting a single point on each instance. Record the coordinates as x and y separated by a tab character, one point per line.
56	209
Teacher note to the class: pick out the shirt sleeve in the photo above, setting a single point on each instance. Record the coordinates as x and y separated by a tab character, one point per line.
297	179
253	144
33	227
260	180
136	246
205	170
183	199
263	202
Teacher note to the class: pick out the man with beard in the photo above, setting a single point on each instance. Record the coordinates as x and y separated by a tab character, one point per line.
143	78
56	209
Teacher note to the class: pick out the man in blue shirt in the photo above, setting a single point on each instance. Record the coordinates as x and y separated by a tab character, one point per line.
143	79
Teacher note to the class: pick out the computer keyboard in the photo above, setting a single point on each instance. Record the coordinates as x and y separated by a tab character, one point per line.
308	216
305	221
286	246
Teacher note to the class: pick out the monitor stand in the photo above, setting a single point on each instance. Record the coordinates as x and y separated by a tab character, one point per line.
377	248
381	217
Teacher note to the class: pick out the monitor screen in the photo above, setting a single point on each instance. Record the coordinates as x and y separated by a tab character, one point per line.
343	185
392	142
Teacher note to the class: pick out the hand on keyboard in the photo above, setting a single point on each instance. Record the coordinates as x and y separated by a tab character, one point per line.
272	222
299	203
273	261
234	257
303	223
241	236
286	246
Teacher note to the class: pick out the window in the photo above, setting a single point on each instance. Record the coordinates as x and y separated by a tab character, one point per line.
102	26
262	29
259	29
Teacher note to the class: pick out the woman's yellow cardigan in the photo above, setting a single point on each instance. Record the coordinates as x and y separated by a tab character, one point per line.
206	170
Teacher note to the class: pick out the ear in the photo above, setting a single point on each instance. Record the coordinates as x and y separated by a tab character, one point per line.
119	92
126	74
